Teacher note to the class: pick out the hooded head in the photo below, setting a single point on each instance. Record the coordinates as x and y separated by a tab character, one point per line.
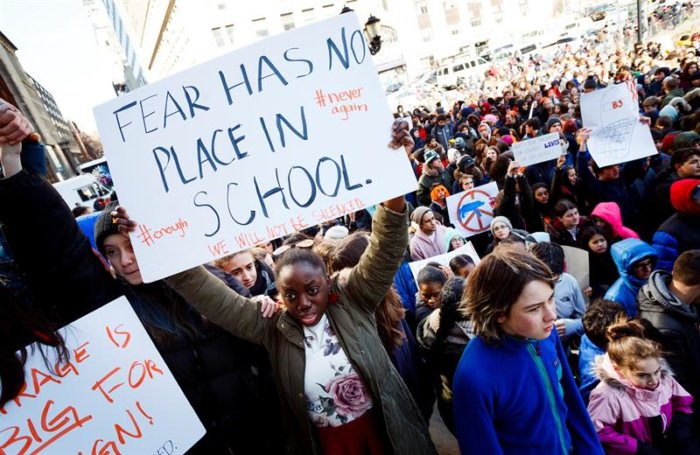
685	196
627	252
451	234
610	213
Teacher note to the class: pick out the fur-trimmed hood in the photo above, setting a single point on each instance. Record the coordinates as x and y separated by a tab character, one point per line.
603	368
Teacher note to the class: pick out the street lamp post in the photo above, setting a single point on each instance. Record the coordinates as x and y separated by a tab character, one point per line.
372	29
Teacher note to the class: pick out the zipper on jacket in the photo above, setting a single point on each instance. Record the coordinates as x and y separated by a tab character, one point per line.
535	354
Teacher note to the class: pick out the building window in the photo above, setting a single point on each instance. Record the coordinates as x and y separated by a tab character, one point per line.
218	37
308	15
422	6
229	33
451	12
476	22
287	21
260	27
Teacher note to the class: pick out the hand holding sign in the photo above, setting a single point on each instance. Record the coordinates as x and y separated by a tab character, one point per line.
213	155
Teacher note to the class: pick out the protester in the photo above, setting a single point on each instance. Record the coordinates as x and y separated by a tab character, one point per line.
638	407
635	260
442	336
514	376
567	223
429	239
255	274
234	399
365	412
680	232
430	281
599	315
602	268
669	302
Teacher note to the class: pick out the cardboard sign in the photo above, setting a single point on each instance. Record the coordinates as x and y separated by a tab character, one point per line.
251	146
444	259
537	149
617	135
472	211
114	394
577	265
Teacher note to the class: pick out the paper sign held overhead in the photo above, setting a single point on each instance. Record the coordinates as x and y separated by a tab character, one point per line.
251	146
471	211
617	135
114	394
537	149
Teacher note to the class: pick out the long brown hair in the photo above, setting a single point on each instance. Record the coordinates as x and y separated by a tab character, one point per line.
390	312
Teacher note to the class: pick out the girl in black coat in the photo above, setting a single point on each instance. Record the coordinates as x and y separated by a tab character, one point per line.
603	271
225	379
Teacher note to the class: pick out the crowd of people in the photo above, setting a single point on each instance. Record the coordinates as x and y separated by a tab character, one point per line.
323	342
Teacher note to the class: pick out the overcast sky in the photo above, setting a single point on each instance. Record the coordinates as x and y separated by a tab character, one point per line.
57	47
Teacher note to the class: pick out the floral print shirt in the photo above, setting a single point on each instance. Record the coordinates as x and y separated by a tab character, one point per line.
335	393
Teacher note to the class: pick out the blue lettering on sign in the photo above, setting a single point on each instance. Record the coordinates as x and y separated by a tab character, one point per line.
551	143
471	207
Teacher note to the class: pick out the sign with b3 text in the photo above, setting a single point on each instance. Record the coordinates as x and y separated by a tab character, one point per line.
251	146
111	393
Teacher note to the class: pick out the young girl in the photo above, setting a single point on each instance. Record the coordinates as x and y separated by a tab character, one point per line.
513	390
600	262
567	223
453	240
638	407
430	282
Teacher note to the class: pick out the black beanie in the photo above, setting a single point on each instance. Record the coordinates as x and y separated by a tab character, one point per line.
104	226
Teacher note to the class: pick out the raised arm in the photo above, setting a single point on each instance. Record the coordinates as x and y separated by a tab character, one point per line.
218	303
371	278
67	278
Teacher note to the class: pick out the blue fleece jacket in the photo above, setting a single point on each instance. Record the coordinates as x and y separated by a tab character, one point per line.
624	291
587	352
519	397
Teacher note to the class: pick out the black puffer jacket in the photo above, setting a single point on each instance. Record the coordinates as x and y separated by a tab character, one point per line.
677	324
227	380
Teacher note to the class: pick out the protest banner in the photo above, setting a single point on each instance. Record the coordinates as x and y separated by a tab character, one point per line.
617	135
444	259
577	265
251	146
538	149
113	394
472	211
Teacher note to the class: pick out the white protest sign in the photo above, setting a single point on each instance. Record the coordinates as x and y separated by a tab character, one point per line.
472	211
256	144
444	259
537	150
577	265
114	394
617	135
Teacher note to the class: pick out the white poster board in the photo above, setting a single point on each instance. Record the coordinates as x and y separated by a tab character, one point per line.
444	259
577	265
471	211
537	150
115	394
251	146
617	135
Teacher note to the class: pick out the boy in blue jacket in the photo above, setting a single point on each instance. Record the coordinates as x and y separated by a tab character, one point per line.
513	390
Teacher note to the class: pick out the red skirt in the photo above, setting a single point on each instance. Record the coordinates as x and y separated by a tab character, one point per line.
362	436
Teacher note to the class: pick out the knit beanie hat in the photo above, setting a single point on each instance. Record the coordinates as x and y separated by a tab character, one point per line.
667	142
418	214
551	121
104	226
336	233
501	219
465	163
430	156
